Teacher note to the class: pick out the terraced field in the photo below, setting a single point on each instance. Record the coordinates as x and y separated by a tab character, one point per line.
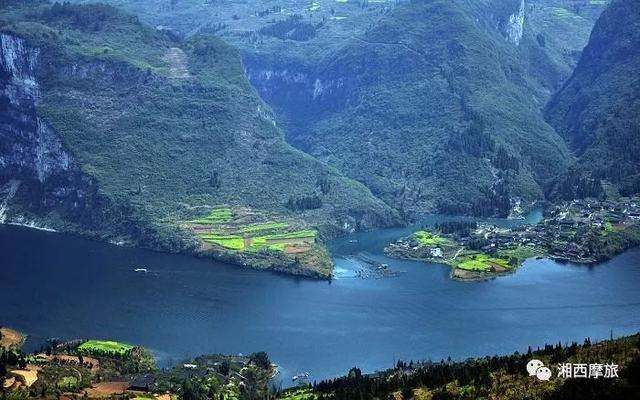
262	240
249	230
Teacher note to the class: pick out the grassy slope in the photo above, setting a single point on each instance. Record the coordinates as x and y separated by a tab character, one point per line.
598	109
154	142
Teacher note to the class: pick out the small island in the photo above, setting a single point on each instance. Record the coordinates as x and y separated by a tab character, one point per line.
579	231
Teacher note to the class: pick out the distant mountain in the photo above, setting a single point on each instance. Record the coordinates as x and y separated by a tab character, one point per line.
115	129
598	109
436	107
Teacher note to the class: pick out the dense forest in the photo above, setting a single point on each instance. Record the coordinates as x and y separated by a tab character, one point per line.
502	377
598	107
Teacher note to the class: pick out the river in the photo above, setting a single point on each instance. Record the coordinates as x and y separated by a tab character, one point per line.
57	285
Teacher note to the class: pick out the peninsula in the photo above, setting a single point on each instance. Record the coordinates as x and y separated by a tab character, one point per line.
579	231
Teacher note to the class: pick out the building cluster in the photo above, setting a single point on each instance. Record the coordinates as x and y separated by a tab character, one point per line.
566	233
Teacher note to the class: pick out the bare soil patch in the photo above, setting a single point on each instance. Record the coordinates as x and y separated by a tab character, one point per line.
106	389
11	338
27	376
177	60
296	249
95	364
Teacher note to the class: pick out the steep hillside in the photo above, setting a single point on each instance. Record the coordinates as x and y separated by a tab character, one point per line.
321	64
598	110
115	129
431	108
498	377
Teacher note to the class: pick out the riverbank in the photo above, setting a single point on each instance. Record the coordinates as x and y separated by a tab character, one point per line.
98	369
95	369
581	232
593	371
306	325
242	237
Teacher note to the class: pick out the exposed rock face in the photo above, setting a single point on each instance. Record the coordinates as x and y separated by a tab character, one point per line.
515	27
35	167
303	88
390	106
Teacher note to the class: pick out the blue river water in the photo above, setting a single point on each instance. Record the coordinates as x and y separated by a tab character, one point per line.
56	285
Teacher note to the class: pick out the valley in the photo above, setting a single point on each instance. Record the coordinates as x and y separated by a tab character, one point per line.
109	134
249	199
184	305
428	127
309	62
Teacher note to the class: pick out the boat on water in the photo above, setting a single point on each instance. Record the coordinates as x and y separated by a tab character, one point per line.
300	376
140	270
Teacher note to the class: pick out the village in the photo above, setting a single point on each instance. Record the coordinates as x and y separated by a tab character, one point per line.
579	231
101	369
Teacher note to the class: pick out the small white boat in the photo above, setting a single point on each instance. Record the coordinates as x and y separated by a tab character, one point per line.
301	376
141	270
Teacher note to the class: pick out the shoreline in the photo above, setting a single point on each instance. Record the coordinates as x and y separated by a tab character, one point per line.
31	225
274	370
458	274
581	232
221	257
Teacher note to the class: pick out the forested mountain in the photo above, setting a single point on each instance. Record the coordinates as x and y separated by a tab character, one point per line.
123	130
116	129
598	109
437	106
433	105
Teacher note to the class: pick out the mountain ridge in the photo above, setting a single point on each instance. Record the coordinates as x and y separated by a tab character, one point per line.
153	144
596	110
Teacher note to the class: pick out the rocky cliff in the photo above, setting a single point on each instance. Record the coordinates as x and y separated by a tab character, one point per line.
115	129
40	181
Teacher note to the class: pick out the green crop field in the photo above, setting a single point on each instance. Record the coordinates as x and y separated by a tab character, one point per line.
481	262
426	238
263	227
217	216
93	347
237	227
231	242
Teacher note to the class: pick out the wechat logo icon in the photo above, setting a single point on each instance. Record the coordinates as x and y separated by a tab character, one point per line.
536	368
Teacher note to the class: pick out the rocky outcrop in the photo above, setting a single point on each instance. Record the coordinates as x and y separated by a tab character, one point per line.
299	90
38	176
515	26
